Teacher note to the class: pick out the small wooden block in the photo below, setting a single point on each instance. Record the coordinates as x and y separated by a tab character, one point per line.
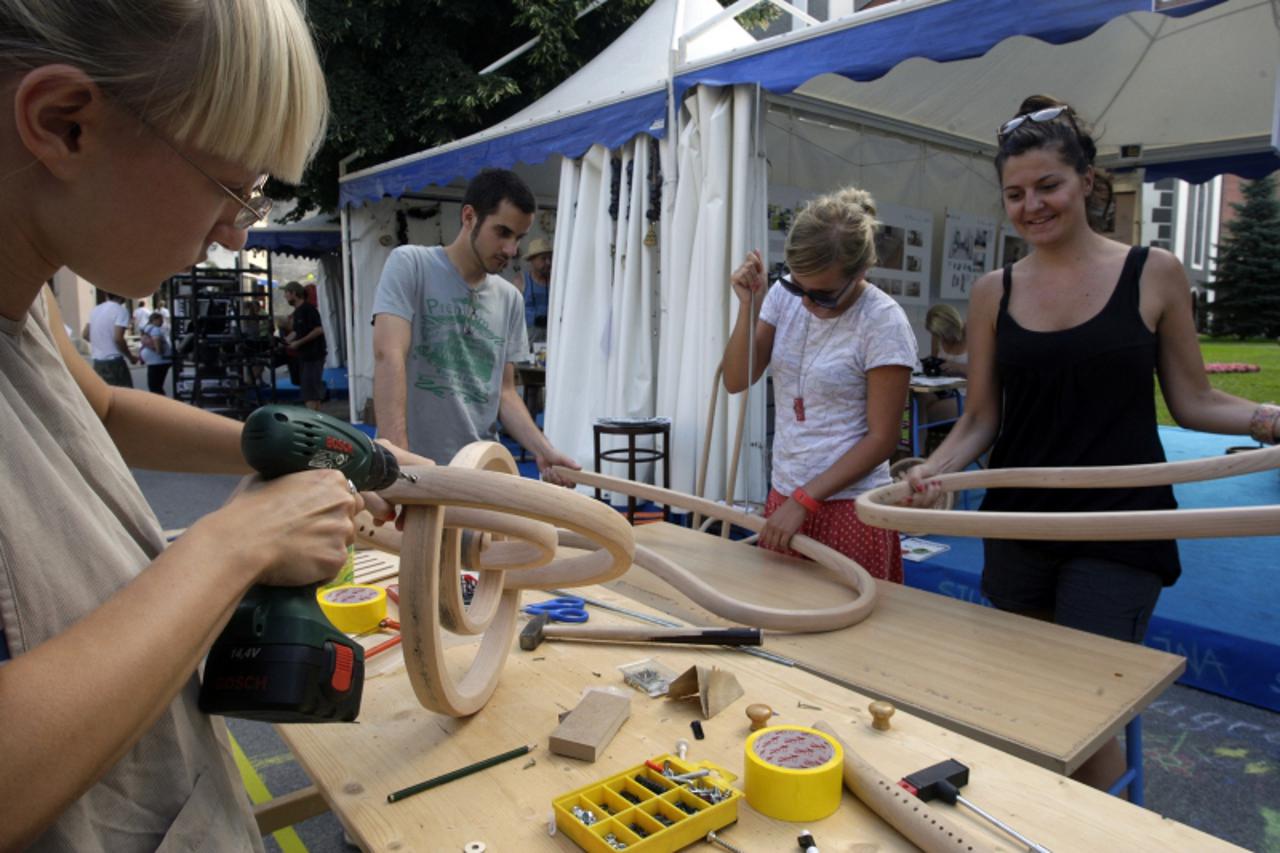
589	727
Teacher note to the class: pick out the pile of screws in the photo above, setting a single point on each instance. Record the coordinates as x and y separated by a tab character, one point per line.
612	841
584	815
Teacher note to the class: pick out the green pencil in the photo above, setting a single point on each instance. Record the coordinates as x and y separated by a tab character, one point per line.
457	774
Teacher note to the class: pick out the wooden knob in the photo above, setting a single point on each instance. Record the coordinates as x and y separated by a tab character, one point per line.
881	711
759	715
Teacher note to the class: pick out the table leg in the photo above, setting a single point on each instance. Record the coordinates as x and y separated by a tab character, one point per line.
596	436
631	475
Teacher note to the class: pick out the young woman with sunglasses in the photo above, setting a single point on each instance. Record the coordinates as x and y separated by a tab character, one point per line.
133	135
1063	348
842	353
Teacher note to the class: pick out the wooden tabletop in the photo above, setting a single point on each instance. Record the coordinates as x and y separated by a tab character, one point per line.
397	743
1048	694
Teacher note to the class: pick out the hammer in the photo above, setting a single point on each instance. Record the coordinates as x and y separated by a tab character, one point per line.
538	630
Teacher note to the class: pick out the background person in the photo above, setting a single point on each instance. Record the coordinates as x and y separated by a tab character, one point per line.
156	352
946	342
447	330
306	339
123	157
1064	346
842	352
141	316
105	333
535	286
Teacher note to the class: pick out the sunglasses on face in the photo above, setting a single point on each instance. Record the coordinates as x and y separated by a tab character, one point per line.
1039	116
821	298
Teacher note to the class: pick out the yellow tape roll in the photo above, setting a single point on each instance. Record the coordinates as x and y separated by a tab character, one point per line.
354	608
793	773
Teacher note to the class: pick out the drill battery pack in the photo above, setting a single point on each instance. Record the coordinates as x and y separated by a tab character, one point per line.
279	660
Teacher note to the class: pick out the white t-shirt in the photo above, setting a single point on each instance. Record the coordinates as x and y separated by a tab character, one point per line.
103	320
140	317
873	332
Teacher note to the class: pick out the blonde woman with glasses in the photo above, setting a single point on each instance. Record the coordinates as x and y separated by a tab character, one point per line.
133	135
842	353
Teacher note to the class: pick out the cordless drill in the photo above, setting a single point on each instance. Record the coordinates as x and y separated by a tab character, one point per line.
280	659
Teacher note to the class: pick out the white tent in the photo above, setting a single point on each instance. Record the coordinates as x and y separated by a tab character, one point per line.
903	99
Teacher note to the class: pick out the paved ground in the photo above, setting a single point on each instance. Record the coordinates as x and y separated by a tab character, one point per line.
1211	763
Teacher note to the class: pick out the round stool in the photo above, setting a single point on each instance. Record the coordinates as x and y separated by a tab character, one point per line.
632	428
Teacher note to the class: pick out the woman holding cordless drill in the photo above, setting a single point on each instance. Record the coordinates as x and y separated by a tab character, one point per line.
133	135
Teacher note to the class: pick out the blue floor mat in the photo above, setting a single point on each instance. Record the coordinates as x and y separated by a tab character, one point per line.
1223	614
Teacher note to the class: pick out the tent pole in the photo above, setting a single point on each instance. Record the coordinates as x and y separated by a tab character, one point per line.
348	288
527	46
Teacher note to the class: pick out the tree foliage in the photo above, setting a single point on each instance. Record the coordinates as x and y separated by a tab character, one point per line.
1246	289
403	75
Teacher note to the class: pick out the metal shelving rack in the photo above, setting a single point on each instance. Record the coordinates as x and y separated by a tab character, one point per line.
218	342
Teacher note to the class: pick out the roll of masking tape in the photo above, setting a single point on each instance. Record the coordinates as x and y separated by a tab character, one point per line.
354	608
793	773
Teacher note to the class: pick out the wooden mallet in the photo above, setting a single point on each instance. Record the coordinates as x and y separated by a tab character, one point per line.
539	629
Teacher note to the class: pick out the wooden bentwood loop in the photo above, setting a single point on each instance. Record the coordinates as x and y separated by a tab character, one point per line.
515	525
879	508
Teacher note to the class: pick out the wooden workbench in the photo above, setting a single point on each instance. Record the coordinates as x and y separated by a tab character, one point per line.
1045	693
397	743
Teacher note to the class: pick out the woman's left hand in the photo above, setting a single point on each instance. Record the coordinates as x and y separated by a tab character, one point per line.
382	510
782	525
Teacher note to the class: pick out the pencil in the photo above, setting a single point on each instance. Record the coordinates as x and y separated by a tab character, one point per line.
457	774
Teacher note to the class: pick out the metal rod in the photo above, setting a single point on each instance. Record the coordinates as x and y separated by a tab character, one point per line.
1032	847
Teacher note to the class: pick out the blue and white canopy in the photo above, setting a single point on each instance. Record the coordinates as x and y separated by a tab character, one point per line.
1192	82
313	237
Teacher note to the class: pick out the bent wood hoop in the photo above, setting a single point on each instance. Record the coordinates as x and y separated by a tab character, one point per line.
512	544
878	506
851	574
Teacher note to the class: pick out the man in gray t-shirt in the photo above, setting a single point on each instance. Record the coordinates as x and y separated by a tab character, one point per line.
447	328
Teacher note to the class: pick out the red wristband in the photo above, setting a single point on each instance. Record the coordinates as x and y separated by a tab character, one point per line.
803	498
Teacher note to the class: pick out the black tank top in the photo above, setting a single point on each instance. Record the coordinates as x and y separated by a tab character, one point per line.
1083	397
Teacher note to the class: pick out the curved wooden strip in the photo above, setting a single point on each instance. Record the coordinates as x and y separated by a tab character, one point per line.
420	627
878	506
534	500
853	575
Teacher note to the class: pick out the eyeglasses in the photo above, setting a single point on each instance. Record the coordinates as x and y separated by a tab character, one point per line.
254	206
253	203
1039	116
821	298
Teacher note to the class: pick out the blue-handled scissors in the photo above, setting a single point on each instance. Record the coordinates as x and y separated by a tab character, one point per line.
563	609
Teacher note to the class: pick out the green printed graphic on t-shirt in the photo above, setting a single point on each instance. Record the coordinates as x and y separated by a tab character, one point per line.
457	351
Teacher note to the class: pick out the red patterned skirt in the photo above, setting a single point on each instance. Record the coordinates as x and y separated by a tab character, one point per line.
837	526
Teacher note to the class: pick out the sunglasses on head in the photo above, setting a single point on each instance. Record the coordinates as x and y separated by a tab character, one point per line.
1039	116
821	298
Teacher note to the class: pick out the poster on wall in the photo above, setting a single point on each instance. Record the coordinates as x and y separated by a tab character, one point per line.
968	251
903	244
1012	247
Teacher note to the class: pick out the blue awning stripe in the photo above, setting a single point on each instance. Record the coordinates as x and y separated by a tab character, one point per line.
571	137
303	244
961	29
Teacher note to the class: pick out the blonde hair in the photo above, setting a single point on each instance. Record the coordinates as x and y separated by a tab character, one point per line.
945	322
237	79
835	229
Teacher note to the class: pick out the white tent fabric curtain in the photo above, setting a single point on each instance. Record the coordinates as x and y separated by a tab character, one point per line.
368	255
332	307
601	352
718	215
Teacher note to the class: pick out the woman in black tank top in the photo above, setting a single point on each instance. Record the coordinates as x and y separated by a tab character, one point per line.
1064	348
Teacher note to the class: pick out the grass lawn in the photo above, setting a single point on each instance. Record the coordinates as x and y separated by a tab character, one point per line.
1262	386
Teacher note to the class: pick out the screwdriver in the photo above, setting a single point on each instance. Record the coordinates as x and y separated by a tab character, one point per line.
943	781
